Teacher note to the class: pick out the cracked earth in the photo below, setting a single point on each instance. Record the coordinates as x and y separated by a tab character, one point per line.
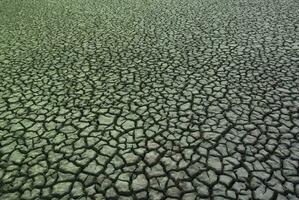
149	99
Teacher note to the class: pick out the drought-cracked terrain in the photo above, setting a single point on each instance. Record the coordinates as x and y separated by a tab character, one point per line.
149	99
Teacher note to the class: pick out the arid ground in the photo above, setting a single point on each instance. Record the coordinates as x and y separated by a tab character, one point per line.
149	99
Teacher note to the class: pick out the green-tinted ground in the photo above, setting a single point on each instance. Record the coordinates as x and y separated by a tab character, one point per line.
149	99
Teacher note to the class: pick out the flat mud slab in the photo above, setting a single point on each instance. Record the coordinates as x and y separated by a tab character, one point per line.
149	99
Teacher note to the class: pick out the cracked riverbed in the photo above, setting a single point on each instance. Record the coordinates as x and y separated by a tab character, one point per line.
149	99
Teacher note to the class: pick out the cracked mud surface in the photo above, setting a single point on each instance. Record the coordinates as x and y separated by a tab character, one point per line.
149	99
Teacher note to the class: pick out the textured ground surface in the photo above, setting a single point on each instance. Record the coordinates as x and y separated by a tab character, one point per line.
151	99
